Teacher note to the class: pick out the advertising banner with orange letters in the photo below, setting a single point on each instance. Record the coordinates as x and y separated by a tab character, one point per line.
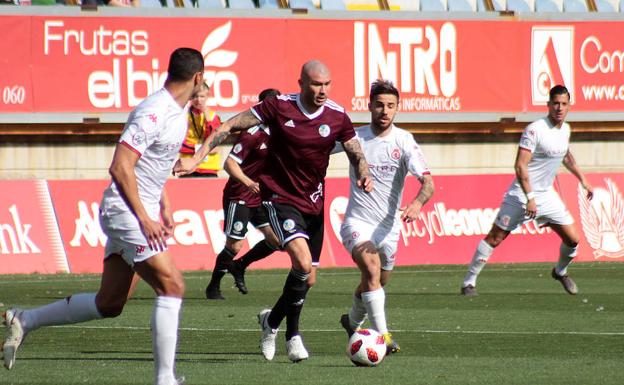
33	239
109	64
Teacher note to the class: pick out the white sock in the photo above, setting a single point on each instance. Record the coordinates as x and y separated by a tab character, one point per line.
375	302
357	314
70	310
566	254
165	337
479	259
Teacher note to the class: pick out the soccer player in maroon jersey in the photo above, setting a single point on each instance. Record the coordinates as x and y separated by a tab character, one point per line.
304	128
242	204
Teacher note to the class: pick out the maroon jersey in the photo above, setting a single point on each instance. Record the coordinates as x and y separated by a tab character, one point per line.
299	147
249	151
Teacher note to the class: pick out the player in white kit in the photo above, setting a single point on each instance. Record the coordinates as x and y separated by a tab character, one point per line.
543	148
130	214
372	222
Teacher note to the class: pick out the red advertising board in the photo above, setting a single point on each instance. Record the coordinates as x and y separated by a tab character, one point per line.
29	237
447	231
108	64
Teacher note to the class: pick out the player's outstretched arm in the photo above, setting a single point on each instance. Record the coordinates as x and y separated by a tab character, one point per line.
358	161
235	171
238	122
411	211
570	163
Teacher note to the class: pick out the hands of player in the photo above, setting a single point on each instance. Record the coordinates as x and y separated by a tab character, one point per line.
531	208
410	212
254	187
168	222
589	189
156	234
184	166
365	183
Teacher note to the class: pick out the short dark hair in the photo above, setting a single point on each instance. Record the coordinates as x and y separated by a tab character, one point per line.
184	63
558	90
268	92
381	87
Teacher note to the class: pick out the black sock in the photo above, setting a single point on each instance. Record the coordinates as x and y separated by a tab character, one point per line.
259	251
290	303
222	264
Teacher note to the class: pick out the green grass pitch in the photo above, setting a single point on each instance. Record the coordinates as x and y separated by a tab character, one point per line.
523	329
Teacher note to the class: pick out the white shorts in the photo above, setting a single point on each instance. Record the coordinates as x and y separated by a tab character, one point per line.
125	238
354	232
550	209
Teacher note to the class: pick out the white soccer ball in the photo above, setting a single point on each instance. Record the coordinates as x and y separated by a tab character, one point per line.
366	347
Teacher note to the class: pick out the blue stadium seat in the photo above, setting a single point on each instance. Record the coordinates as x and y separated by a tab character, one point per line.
404	5
301	4
548	6
241	4
333	5
151	4
574	6
499	5
210	4
462	5
606	6
432	5
187	3
519	6
268	4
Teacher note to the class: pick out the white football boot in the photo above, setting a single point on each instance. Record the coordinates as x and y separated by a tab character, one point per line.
296	351
267	342
13	336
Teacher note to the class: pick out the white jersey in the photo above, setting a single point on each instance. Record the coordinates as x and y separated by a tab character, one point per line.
155	130
389	157
548	145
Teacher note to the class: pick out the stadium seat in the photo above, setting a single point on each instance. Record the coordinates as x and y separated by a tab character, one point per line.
362	5
520	6
241	4
268	4
404	5
433	5
462	5
151	4
499	5
574	6
548	6
333	5
606	5
188	3
210	4
301	4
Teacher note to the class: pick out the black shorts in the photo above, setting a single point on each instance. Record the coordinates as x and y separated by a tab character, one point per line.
237	215
289	223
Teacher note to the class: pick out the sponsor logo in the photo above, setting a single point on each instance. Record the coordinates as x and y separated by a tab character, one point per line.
552	61
324	130
420	59
603	220
238	226
216	60
263	146
14	238
138	137
237	148
289	123
288	225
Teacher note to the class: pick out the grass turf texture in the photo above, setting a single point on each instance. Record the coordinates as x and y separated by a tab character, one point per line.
522	329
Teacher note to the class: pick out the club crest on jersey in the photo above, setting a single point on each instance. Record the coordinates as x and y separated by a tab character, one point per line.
355	235
238	226
138	137
396	154
288	225
324	130
237	148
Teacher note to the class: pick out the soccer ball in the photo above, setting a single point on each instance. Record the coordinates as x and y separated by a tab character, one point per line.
366	347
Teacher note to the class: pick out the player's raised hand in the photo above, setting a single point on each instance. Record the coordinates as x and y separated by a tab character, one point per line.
365	183
589	190
254	187
184	166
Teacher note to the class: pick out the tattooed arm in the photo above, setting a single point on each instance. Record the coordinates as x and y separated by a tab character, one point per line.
356	158
411	211
241	121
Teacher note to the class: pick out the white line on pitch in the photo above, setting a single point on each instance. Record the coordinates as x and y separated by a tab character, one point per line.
426	331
